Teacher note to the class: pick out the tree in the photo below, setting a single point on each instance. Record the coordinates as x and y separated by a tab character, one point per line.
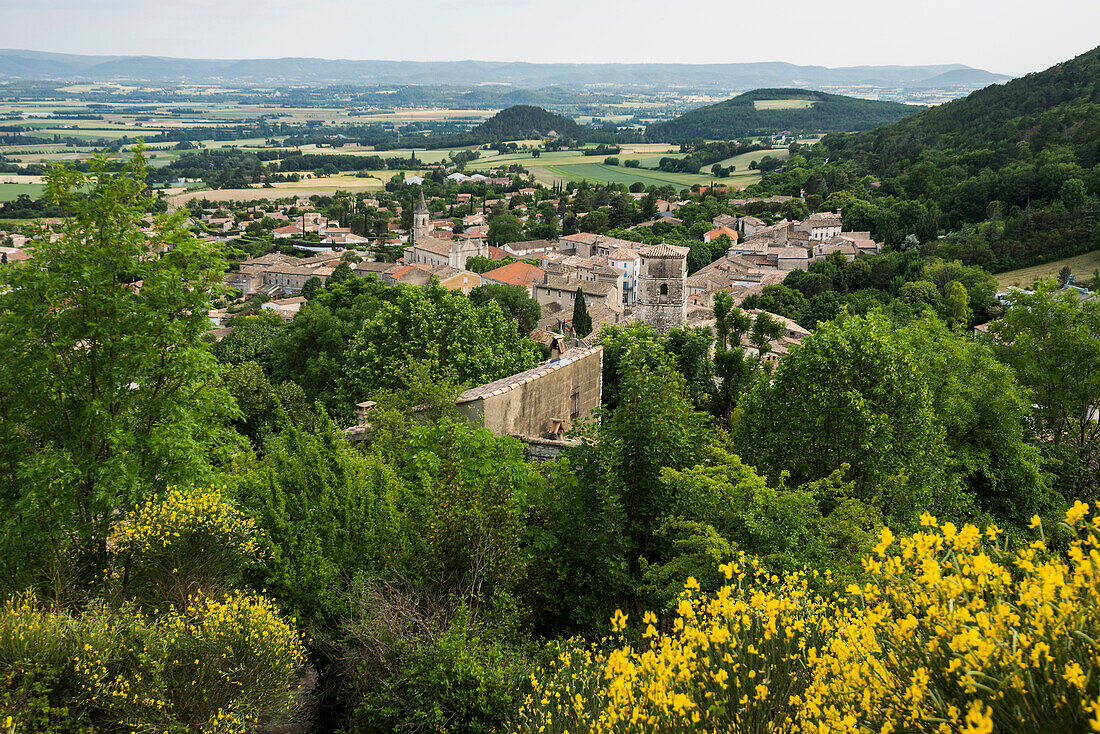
1052	340
983	409
781	300
852	394
823	307
505	228
252	339
956	305
582	322
340	273
435	327
514	300
108	392
311	287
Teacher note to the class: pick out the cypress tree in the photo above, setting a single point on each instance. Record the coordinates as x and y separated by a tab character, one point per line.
582	322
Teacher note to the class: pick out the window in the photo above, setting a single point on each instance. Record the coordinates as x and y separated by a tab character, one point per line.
575	404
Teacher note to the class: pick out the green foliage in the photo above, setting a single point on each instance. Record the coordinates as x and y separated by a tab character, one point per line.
983	409
108	390
582	322
1052	340
852	394
514	300
436	327
252	340
505	228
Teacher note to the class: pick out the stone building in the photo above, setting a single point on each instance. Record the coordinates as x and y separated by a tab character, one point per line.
543	402
428	250
662	286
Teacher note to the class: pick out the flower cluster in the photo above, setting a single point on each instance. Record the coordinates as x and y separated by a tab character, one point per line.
166	522
951	631
190	542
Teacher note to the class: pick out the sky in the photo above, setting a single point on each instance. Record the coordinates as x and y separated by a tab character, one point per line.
1008	36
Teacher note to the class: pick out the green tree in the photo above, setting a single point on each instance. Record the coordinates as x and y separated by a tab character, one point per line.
956	305
852	394
983	409
779	299
505	228
311	287
340	273
252	339
582	322
439	328
108	391
514	300
1052	340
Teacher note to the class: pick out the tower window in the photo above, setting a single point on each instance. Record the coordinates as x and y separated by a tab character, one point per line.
664	289
575	404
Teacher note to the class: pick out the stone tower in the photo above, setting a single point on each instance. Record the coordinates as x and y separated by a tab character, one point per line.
662	287
420	225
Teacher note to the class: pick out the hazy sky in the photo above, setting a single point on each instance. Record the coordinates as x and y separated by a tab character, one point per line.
1007	36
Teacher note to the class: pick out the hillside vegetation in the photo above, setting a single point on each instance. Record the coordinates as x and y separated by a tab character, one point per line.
522	122
741	116
1009	173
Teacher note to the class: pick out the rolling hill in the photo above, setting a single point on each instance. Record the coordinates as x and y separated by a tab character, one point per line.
521	122
749	114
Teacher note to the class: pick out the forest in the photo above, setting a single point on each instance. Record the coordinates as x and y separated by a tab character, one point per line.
191	543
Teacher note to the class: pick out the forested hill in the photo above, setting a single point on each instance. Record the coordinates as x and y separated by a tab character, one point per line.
523	122
767	111
1011	170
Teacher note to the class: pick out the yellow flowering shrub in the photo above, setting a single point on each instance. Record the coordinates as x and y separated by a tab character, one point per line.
218	666
192	539
951	631
227	662
194	656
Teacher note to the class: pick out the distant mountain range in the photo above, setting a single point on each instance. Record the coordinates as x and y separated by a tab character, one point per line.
41	65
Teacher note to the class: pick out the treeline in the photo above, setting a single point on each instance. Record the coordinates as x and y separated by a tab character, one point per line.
237	168
700	153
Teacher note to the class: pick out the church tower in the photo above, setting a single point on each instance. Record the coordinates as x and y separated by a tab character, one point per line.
662	287
420	220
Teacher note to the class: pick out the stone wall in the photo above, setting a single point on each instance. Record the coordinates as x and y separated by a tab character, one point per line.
527	404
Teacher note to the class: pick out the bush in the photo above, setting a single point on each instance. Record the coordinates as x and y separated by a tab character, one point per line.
418	666
189	542
612	161
952	631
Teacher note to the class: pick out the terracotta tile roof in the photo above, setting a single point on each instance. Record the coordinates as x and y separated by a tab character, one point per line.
517	273
662	250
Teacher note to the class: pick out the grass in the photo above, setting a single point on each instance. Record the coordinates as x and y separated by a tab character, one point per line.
742	161
782	104
12	191
1081	266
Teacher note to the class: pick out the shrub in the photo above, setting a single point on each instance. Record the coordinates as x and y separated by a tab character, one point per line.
951	631
190	541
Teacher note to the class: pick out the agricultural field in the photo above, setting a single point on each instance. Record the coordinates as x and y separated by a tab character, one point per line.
564	166
12	191
782	104
1082	266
